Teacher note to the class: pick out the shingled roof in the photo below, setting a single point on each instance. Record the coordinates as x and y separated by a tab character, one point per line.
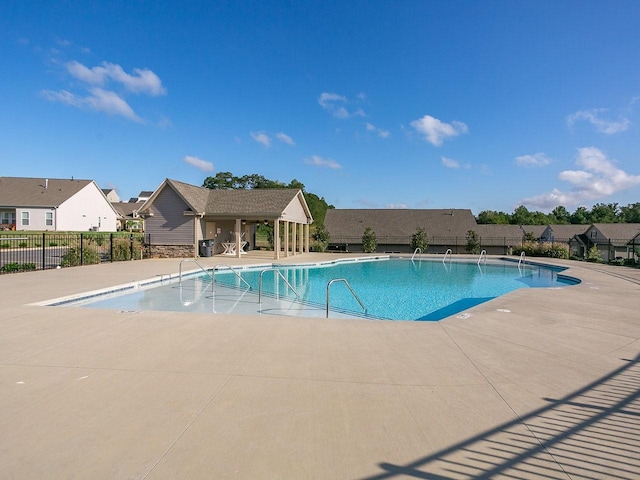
260	203
345	224
38	192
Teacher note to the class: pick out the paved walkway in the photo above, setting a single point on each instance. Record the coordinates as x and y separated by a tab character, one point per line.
535	384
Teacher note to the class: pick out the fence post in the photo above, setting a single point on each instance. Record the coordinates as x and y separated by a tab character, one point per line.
131	246
111	246
43	251
81	249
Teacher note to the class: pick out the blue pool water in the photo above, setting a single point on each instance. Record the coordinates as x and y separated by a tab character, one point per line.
394	289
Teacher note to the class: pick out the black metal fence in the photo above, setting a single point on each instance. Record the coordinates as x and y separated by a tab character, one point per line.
23	251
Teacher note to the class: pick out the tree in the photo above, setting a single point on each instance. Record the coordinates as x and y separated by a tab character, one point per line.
604	213
473	242
631	213
521	216
580	217
561	215
492	217
419	240
320	237
369	241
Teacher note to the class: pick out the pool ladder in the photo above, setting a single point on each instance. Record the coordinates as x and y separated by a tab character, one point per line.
196	262
343	280
482	258
417	250
281	276
211	273
448	252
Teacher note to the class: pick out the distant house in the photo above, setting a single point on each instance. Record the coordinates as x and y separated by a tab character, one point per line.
111	195
180	217
55	204
142	197
394	228
128	218
611	240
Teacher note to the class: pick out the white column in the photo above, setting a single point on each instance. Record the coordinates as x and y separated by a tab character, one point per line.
307	229
301	237
293	238
286	239
238	239
276	238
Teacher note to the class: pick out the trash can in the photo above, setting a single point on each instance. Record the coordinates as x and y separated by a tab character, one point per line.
206	248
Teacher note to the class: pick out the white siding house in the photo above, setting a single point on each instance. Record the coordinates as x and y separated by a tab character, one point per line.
55	205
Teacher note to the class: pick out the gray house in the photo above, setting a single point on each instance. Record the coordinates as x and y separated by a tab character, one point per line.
180	218
394	228
55	204
611	239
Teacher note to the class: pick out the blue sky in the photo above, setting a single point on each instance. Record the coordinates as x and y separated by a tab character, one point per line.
372	104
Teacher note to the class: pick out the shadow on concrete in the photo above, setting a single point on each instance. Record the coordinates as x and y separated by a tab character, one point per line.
591	433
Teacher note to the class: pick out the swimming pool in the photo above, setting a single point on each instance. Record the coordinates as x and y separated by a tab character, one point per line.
383	288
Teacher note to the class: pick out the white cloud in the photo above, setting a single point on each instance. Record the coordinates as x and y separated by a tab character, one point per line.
396	206
283	137
602	125
327	100
261	137
436	131
98	99
99	96
334	104
598	178
536	160
199	163
450	163
378	131
143	80
111	103
322	162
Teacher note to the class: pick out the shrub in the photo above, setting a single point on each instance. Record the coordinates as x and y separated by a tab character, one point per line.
419	240
320	237
473	242
593	255
71	257
542	249
17	267
369	241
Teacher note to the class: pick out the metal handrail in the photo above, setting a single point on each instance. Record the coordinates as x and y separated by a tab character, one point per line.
281	276
196	262
213	270
331	282
416	251
483	253
448	252
522	259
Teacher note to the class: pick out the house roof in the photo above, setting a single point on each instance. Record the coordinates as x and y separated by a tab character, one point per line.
617	231
400	223
267	203
501	231
125	209
567	232
38	192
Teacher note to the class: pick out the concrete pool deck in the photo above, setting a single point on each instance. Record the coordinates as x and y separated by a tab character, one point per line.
539	383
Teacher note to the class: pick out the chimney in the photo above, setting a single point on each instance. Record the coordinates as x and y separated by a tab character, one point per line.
46	183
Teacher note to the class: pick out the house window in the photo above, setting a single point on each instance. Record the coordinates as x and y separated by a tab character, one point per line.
25	218
48	219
